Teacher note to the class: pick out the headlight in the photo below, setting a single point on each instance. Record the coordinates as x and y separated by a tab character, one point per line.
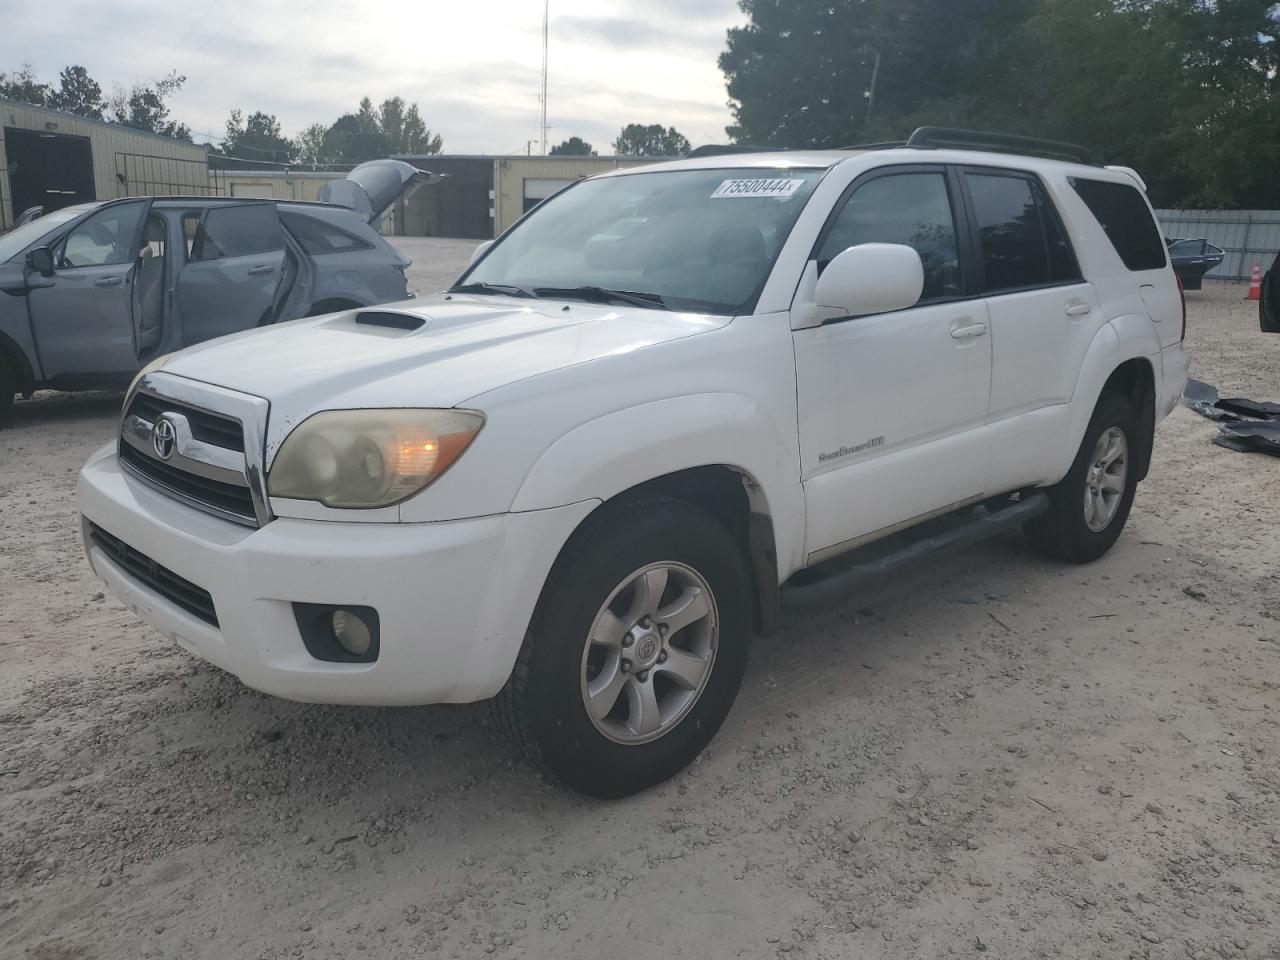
151	367
370	458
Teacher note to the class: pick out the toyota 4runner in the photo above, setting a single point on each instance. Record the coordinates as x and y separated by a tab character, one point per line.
579	480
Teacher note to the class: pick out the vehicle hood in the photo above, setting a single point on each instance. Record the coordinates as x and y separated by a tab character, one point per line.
371	188
466	346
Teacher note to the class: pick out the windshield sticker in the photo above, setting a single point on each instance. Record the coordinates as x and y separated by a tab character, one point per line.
756	188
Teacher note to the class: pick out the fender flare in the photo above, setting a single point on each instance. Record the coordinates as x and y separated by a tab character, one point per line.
1124	338
665	437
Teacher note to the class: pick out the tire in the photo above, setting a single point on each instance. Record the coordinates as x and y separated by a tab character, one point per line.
1068	530
1268	310
611	565
8	388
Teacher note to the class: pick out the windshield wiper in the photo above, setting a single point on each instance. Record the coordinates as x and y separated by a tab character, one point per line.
502	289
603	295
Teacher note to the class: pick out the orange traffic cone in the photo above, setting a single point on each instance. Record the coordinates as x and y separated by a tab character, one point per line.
1255	284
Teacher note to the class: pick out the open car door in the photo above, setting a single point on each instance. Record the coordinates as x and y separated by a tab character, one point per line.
82	315
235	263
371	188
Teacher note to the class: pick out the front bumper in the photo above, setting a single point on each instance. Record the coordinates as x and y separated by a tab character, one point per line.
454	598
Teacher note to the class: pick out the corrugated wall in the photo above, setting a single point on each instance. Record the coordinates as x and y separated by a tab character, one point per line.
1248	236
125	162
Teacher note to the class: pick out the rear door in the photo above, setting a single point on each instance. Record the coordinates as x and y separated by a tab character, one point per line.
235	262
82	316
1044	316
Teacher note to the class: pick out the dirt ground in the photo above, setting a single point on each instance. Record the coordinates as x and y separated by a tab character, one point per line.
989	753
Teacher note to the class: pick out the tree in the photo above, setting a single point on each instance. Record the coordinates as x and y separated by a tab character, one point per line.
637	140
22	85
573	147
369	134
309	145
78	93
144	107
1187	91
257	140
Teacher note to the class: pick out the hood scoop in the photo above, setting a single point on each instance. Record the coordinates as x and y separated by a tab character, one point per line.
390	320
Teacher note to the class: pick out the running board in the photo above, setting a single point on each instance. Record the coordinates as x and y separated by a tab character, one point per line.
829	581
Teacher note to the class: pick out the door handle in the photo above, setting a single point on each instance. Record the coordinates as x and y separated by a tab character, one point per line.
108	281
969	331
1079	310
258	271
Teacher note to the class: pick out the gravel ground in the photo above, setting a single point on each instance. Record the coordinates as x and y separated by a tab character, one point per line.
987	754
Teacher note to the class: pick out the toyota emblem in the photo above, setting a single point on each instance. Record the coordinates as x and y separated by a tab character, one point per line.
164	437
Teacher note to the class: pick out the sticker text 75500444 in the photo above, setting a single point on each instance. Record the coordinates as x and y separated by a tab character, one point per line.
762	187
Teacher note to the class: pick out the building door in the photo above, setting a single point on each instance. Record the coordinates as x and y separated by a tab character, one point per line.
52	170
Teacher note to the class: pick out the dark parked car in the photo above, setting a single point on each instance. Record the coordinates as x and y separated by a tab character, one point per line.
1192	259
1269	304
91	293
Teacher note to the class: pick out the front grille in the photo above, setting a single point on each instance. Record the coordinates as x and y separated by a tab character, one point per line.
210	427
195	600
226	497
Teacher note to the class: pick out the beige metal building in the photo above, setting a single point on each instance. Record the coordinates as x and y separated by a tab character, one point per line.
482	195
53	159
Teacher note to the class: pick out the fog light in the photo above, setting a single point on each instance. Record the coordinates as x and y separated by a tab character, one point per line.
346	634
351	632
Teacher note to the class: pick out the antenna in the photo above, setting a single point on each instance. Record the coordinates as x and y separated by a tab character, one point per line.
546	9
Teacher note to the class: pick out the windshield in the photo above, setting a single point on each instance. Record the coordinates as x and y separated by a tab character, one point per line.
697	240
14	242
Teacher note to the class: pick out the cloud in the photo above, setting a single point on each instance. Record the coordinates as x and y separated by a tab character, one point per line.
474	69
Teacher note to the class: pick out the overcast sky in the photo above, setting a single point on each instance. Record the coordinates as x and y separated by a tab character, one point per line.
473	66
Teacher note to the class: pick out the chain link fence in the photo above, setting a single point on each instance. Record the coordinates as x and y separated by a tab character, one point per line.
1249	237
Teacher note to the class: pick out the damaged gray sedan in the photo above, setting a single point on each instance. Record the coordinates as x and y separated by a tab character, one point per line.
91	293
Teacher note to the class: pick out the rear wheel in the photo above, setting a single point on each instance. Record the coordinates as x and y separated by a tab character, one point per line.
636	650
1089	507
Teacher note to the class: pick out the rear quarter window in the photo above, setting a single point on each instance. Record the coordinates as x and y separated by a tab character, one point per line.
317	237
1126	219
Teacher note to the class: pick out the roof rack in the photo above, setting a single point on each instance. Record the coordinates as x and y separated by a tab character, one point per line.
932	138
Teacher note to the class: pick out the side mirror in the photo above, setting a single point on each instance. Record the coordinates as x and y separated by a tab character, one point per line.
41	261
871	278
479	251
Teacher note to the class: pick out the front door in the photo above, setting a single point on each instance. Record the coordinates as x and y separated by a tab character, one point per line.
893	407
234	265
82	316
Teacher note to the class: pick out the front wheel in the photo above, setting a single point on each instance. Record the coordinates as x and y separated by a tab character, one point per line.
636	650
1089	507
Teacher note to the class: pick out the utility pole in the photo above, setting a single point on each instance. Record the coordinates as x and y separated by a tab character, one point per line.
546	9
875	77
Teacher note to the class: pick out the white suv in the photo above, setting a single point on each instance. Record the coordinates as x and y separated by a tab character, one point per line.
577	480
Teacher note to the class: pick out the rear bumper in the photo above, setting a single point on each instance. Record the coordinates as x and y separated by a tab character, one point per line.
1173	379
454	599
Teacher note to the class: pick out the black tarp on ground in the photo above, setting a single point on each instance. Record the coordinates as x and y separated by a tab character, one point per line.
1246	426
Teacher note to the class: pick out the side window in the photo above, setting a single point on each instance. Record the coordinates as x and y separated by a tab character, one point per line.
908	208
1062	259
106	238
1124	216
1011	236
317	237
239	230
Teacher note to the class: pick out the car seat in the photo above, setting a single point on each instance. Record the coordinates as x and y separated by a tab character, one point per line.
148	288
